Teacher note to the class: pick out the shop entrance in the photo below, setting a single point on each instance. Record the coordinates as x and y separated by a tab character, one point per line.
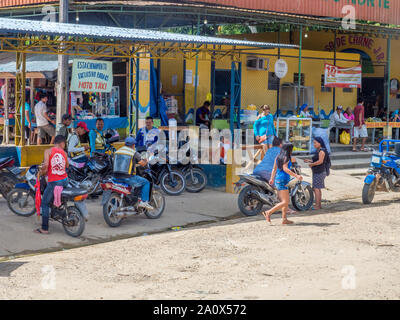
373	94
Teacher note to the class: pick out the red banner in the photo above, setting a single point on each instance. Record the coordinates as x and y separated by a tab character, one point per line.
337	77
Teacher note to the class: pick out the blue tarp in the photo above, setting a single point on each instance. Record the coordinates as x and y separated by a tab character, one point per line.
113	123
153	98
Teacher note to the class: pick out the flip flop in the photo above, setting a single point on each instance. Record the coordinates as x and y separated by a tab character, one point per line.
39	231
354	150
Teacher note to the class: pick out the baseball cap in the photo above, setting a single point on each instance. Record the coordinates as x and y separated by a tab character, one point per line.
82	125
340	107
130	141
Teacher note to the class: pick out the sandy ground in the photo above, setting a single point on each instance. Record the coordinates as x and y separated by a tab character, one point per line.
346	251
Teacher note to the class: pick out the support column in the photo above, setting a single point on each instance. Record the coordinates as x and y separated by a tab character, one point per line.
236	88
334	63
133	94
300	52
20	84
389	55
62	73
196	75
6	127
279	80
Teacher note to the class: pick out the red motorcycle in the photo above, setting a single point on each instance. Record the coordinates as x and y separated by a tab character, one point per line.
9	175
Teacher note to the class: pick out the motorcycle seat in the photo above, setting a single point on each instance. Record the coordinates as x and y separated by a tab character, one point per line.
73	192
4	161
120	181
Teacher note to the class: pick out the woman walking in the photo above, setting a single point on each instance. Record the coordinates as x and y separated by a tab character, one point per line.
264	128
281	176
319	165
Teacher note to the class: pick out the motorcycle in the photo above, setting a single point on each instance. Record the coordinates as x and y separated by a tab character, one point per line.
195	177
384	173
9	175
166	175
258	193
21	201
121	200
98	167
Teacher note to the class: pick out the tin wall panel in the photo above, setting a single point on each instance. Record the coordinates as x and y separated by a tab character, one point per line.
18	3
384	11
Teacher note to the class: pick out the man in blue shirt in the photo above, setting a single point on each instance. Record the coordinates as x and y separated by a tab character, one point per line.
148	135
96	139
28	118
264	169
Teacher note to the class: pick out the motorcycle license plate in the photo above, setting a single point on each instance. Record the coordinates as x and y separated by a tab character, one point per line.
376	160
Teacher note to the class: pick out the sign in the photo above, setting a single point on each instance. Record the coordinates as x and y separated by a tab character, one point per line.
281	68
91	75
337	77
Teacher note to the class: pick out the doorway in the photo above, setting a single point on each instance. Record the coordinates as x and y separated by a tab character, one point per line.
373	94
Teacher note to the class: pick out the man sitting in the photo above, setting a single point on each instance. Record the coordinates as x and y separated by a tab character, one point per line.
96	140
264	168
337	119
125	160
66	121
75	151
148	135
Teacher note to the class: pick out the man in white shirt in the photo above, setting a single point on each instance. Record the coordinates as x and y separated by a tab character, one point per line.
338	119
43	121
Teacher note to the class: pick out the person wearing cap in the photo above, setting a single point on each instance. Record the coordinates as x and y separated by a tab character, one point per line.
66	121
75	151
125	160
304	111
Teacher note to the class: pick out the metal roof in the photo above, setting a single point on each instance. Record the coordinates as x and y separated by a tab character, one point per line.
19	26
34	63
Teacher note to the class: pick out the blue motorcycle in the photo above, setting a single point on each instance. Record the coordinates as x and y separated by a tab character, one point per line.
384	173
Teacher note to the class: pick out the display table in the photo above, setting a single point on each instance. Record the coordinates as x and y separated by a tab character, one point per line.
109	123
297	131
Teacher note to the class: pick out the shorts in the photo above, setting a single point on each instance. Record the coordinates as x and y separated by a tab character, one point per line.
269	140
361	133
282	185
318	180
49	129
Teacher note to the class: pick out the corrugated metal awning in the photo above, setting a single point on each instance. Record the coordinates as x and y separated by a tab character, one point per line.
18	26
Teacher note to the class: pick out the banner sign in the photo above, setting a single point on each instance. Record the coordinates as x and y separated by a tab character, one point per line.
91	75
337	77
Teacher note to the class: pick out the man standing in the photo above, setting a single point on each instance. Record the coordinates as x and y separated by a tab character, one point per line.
43	121
125	160
360	129
55	166
28	118
148	135
66	122
96	139
75	151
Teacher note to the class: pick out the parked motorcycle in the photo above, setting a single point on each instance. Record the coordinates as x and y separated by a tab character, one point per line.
121	200
168	176
195	177
9	175
384	173
98	167
21	201
258	193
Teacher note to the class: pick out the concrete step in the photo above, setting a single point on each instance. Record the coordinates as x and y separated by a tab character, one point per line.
351	163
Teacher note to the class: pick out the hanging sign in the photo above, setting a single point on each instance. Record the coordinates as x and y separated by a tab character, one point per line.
281	68
337	77
91	75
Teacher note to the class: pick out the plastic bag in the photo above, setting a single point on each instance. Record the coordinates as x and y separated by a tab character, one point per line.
345	138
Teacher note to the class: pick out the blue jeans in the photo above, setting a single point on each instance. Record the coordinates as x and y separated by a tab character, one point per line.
47	198
137	182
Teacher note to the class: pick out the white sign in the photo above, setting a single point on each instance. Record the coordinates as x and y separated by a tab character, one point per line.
188	76
281	68
91	75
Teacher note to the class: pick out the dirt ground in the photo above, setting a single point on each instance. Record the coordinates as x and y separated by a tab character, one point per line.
346	251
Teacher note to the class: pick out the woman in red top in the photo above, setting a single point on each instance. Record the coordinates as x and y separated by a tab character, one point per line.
55	166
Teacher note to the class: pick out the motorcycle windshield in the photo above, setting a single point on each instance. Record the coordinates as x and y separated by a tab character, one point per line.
122	164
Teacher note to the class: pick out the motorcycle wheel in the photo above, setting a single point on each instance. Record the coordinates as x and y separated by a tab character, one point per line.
109	208
368	192
74	222
173	188
249	205
7	183
21	202
199	181
303	201
158	202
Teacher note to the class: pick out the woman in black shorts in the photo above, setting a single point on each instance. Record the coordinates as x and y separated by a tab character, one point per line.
320	168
